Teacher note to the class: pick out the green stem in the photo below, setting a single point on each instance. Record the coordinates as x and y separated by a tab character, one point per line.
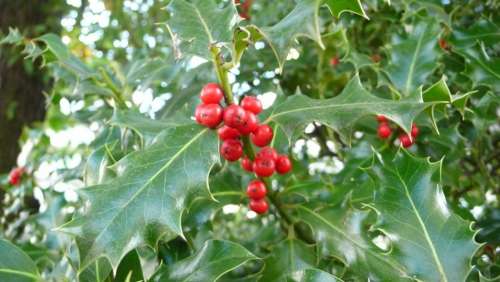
116	92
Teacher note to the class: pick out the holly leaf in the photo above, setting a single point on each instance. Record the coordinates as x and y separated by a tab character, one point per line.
301	21
340	232
212	261
196	25
342	111
147	199
413	59
481	68
433	243
15	265
338	7
312	275
287	257
483	30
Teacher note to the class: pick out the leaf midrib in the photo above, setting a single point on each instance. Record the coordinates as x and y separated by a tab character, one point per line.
20	273
409	79
424	229
140	190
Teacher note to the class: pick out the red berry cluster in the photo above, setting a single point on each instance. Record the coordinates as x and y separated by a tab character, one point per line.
241	120
15	176
385	131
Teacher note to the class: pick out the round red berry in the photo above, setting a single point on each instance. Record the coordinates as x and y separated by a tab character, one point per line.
209	115
262	136
251	104
384	131
226	133
414	130
283	164
234	116
334	61
259	206
405	140
231	150
256	190
381	118
264	167
250	124
247	164
15	176
211	94
267	153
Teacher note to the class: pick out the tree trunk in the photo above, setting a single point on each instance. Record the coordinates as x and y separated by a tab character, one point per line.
21	84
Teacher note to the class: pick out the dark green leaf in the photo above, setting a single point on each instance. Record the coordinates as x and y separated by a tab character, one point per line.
15	265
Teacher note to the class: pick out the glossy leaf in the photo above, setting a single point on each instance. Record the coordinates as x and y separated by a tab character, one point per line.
209	263
412	59
337	7
433	243
147	199
312	275
482	31
15	265
196	25
481	68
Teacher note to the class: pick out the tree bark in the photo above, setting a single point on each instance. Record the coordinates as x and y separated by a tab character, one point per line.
21	83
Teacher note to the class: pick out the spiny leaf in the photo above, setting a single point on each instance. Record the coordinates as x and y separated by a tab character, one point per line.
147	199
209	263
340	233
342	112
312	275
413	59
483	30
15	265
433	243
13	37
337	7
481	68
287	257
196	25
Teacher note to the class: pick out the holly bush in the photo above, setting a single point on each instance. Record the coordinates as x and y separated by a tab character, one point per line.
386	110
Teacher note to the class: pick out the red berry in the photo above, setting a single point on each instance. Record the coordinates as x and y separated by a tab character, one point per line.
231	150
334	61
208	115
211	94
256	190
251	104
234	116
414	130
283	164
250	124
259	206
381	118
264	167
227	132
267	153
376	58
247	164
15	176
262	136
443	44
384	131
405	140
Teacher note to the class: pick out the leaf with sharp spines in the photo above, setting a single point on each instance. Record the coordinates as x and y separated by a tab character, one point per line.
288	256
148	198
481	68
433	243
198	24
341	233
413	59
342	112
15	265
213	260
337	7
483	30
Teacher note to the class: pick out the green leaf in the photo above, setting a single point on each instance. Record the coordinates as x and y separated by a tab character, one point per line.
337	7
64	57
147	199
130	268
15	265
481	68
341	233
413	59
287	257
483	30
196	25
301	21
342	112
14	37
213	260
312	275
433	243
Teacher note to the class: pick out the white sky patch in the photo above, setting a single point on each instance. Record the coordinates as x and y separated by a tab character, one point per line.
293	54
230	209
194	62
259	45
